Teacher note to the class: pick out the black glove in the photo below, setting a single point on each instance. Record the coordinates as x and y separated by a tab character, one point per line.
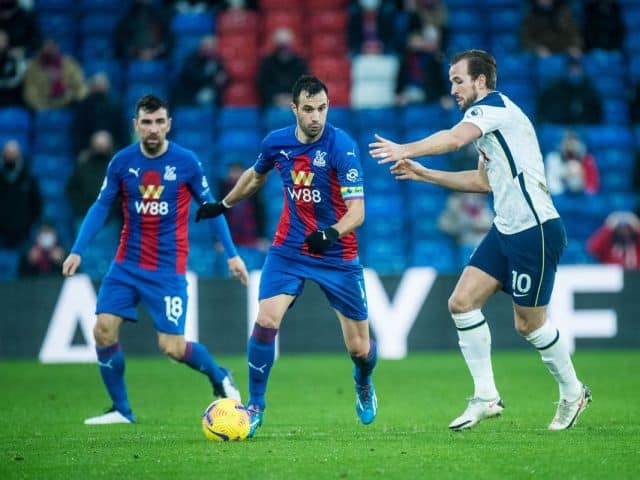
320	240
210	210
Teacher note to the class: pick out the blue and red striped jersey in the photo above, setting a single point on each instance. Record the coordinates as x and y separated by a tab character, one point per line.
156	194
317	179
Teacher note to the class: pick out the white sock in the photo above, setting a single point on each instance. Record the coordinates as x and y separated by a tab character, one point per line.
555	356
475	343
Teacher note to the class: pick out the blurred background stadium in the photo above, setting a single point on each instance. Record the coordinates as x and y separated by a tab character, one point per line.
385	63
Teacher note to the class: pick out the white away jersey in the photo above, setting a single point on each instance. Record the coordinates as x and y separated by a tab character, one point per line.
511	155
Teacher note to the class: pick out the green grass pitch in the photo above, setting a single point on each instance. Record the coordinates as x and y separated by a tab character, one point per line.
310	428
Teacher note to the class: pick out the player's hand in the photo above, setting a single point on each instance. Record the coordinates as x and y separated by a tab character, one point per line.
71	264
238	269
406	169
210	210
320	240
386	150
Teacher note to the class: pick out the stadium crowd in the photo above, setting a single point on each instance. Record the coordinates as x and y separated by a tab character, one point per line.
70	72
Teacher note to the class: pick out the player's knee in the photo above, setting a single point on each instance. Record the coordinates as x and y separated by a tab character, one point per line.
103	335
457	304
267	320
172	349
358	347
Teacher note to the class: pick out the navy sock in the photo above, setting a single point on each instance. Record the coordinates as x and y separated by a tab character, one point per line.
261	351
364	366
111	363
198	357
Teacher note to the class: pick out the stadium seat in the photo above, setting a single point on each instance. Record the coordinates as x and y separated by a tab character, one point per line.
52	187
273	20
266	5
314	5
276	117
631	17
106	6
550	68
384	257
330	21
51	6
195	119
605	136
200	143
613	201
331	44
237	46
240	94
372	94
339	93
615	180
634	64
96	47
576	253
505	19
44	164
238	139
616	112
238	22
599	63
439	254
200	24
504	43
147	71
383	206
9	261
516	66
338	69
425	116
614	158
241	68
465	40
99	24
234	117
463	20
373	118
340	116
14	120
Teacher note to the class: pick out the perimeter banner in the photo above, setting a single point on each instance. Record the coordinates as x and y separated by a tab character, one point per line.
52	318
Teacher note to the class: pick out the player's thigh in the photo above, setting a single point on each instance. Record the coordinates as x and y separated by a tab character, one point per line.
118	296
280	276
344	288
166	301
533	260
355	334
472	291
271	310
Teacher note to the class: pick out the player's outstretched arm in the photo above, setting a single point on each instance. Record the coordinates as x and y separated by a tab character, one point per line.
474	181
71	264
444	141
249	183
238	269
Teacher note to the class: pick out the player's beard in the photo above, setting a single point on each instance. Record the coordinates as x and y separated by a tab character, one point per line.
312	133
151	148
469	101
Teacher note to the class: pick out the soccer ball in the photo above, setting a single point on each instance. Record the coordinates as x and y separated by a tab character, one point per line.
226	420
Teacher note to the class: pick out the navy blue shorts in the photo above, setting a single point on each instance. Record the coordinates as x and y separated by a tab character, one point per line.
164	296
343	284
525	263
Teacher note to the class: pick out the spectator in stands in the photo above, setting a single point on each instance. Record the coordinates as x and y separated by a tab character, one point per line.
143	32
247	224
603	25
371	27
12	68
45	255
570	168
550	28
570	99
279	70
53	80
99	111
203	77
22	27
89	173
467	218
20	200
617	241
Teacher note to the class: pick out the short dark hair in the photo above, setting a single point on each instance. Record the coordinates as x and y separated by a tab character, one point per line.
310	84
479	63
151	103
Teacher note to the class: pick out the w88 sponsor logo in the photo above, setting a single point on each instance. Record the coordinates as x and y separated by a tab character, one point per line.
305	195
152	208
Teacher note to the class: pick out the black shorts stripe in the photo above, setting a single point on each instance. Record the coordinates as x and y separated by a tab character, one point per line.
471	327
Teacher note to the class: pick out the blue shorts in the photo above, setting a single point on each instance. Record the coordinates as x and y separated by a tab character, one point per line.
343	284
164	296
525	263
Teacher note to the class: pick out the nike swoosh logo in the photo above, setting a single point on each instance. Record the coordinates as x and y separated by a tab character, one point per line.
519	294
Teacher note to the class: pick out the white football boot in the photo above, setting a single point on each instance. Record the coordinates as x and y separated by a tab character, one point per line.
568	412
111	416
477	409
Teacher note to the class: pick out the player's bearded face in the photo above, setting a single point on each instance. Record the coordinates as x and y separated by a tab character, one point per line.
152	128
311	115
463	87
